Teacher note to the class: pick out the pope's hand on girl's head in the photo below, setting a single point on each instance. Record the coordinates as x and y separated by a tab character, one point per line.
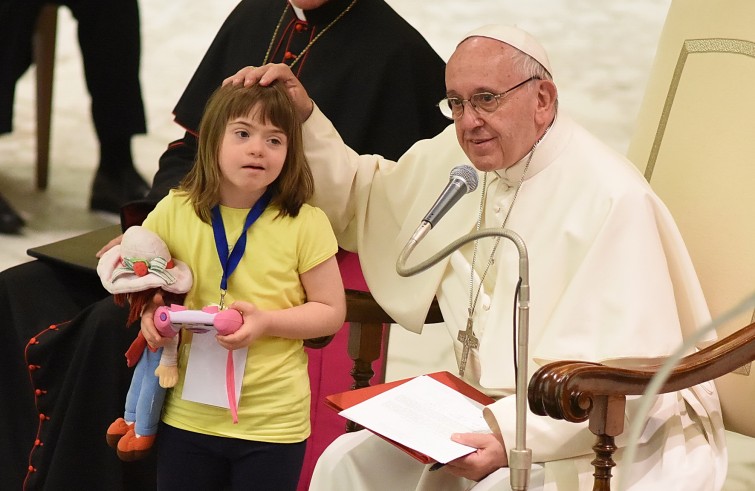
267	74
245	76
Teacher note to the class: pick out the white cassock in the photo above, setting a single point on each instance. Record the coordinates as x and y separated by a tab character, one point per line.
610	279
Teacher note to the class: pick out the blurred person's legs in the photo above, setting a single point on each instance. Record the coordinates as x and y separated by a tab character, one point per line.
109	37
16	33
10	221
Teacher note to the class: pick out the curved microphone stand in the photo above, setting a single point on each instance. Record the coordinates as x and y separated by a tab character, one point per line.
520	457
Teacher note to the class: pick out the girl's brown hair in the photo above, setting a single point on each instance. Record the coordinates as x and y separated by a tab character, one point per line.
295	184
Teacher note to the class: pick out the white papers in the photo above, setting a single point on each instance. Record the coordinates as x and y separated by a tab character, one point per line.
422	414
205	380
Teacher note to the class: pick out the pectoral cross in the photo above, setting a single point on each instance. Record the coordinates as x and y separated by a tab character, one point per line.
468	339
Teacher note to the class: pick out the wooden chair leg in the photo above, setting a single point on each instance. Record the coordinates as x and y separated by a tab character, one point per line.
365	342
606	422
44	58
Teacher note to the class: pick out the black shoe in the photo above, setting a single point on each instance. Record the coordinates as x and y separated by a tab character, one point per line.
10	221
110	192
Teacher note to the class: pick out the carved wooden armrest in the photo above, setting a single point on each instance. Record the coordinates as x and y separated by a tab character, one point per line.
577	391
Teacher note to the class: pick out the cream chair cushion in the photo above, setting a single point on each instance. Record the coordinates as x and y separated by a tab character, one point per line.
695	141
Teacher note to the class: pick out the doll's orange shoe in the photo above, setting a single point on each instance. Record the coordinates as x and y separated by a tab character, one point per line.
131	448
116	430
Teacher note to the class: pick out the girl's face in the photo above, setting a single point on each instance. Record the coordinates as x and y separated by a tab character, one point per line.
252	154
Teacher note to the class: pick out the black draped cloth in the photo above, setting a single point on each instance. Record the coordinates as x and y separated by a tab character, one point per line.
370	72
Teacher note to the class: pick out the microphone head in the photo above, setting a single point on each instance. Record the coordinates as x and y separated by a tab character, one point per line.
467	174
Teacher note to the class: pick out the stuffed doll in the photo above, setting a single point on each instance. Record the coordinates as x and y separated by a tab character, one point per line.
135	272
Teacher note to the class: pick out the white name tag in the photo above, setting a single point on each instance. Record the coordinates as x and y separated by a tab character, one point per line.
205	380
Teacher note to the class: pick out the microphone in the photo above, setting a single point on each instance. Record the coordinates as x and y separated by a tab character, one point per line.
462	180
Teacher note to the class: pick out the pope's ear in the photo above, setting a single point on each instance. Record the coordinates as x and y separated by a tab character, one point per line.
547	94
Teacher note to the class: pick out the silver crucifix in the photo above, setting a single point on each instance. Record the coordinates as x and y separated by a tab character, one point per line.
470	341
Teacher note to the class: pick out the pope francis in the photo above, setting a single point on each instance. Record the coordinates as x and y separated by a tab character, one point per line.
610	276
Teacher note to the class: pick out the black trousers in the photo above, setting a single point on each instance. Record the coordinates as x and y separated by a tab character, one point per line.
193	461
110	40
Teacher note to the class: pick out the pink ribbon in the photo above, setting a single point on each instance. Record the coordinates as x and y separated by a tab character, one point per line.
230	387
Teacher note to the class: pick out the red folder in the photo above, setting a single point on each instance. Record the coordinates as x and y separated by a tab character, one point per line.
345	400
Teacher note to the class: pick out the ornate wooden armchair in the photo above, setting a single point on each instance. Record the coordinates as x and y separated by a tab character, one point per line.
694	142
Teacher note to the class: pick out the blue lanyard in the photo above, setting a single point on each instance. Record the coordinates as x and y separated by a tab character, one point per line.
229	261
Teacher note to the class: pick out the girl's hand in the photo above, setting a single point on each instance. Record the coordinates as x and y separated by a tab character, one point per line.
113	242
149	331
321	315
254	325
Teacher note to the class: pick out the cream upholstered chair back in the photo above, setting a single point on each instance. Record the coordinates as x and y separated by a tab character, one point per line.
695	142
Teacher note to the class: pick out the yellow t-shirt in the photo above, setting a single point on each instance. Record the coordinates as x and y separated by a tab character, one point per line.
275	396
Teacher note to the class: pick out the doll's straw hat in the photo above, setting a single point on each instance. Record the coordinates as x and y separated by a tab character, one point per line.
140	262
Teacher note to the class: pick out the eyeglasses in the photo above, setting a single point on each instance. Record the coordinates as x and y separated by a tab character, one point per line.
453	107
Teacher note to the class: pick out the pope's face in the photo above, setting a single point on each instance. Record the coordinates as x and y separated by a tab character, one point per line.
498	139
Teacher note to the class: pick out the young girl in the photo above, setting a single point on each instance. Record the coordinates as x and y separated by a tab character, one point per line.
240	222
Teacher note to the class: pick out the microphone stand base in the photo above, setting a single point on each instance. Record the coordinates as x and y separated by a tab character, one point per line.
520	463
